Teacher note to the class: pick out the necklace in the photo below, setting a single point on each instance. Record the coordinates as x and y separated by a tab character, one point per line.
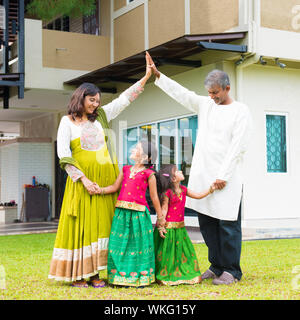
179	195
135	172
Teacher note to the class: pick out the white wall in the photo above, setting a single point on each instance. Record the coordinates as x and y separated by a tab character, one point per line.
9	163
19	163
272	195
278	43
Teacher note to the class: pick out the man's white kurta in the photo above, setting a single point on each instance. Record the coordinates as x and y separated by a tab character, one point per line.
223	134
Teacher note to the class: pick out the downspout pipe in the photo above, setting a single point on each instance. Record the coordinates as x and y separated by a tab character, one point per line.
253	57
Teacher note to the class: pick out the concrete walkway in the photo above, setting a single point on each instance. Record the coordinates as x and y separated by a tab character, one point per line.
194	232
28	228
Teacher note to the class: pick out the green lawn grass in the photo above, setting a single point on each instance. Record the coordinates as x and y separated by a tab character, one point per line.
267	266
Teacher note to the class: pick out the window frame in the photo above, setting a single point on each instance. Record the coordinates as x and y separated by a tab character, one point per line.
286	115
155	123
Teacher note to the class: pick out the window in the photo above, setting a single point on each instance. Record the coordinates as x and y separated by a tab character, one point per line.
57	24
276	143
60	24
66	23
167	136
187	138
130	140
91	23
174	138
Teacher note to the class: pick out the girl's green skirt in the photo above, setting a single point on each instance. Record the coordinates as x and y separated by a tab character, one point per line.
131	260
175	258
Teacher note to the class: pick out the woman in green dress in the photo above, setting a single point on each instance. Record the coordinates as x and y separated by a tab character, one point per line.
86	152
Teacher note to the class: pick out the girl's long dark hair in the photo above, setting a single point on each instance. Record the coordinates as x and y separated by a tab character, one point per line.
164	180
149	148
76	105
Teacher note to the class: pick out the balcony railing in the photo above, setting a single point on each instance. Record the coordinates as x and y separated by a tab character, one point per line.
12	32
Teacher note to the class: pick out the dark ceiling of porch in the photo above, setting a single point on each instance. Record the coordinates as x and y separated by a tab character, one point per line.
175	52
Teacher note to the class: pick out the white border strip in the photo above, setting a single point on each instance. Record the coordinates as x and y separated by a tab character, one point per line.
130	6
112	33
146	24
187	17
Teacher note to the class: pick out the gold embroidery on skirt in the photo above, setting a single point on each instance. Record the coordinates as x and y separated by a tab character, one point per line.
130	205
174	225
196	266
164	272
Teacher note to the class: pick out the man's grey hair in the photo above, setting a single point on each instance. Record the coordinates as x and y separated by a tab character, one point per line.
217	78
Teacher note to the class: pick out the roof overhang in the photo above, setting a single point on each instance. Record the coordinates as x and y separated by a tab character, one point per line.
172	52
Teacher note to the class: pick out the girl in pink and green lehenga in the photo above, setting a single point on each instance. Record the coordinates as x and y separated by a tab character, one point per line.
175	256
131	260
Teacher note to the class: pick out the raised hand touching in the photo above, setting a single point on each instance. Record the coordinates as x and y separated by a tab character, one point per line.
152	65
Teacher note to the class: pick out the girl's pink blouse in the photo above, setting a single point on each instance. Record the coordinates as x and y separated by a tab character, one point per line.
133	189
176	205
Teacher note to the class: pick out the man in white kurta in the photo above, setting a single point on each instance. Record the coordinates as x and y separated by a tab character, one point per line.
223	133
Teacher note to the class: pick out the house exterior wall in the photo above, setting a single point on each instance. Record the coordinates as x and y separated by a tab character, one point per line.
19	163
271	195
213	16
129	33
154	22
118	4
162	27
75	51
281	15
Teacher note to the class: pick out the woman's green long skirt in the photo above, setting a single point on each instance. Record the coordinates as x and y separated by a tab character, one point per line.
131	260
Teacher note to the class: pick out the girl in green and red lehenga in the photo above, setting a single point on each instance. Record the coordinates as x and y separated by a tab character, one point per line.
175	258
131	260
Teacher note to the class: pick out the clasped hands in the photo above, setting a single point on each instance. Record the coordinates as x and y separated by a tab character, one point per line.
91	187
161	223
